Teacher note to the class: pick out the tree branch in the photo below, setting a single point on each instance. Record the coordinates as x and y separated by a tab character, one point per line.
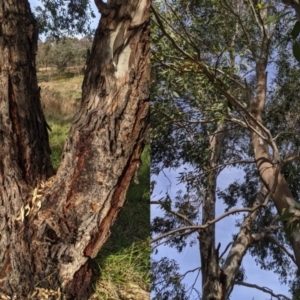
263	289
209	223
290	255
102	7
295	4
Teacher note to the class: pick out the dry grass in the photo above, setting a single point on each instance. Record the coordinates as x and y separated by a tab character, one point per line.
61	95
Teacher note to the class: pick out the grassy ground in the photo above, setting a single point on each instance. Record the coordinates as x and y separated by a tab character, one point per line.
124	260
125	257
60	98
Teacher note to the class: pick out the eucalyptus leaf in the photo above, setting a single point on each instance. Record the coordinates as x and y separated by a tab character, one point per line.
272	19
296	51
296	30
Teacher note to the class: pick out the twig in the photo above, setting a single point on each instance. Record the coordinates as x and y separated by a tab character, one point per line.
233	211
226	248
290	255
263	289
209	223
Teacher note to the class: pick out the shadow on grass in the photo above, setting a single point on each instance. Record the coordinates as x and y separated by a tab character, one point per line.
126	255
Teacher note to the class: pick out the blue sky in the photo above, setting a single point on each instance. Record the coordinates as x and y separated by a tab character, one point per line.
95	21
190	257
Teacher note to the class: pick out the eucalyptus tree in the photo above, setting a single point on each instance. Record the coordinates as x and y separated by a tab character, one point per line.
51	229
213	108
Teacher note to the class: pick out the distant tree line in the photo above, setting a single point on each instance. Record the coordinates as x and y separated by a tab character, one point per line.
64	53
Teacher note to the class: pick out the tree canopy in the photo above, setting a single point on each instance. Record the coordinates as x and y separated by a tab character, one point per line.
225	90
59	18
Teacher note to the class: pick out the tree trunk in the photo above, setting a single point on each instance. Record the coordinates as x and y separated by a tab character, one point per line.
218	280
282	195
52	244
211	285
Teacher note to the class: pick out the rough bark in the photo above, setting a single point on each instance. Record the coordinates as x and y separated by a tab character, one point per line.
53	246
23	132
25	152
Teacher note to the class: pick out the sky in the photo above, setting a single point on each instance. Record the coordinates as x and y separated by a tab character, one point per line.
94	24
190	258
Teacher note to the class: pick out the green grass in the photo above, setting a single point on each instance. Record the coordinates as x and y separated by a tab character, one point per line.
124	260
57	139
125	257
60	99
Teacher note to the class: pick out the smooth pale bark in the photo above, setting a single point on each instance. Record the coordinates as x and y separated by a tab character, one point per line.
54	245
239	248
282	196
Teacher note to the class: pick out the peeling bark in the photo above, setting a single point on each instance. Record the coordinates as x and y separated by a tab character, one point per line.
54	245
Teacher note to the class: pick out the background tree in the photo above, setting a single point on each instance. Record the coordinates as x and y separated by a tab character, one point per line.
213	108
51	231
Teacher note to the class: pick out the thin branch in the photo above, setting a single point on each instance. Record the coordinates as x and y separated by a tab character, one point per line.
237	121
263	289
161	25
239	161
257	132
177	214
209	223
290	255
226	248
179	19
269	140
171	238
284	132
102	7
189	271
195	280
228	7
261	27
233	211
291	158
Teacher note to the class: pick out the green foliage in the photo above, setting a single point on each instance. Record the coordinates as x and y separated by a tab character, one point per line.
165	273
204	51
59	18
296	30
